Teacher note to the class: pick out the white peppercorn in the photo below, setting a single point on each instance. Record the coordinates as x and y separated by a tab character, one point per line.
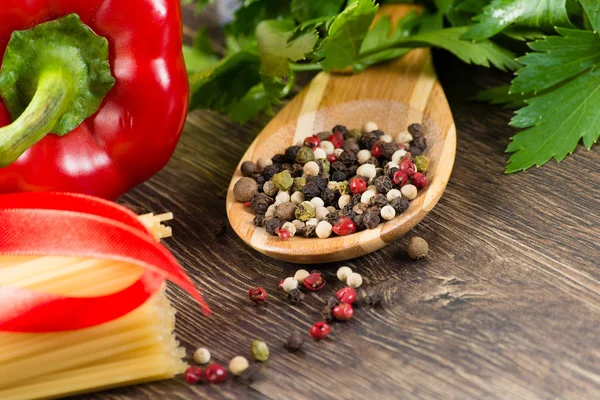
290	284
344	200
270	211
320	153
388	213
372	188
367	196
338	152
290	227
354	280
301	274
323	230
367	170
386	138
202	355
392	194
313	222
317	202
270	189
263	162
327	146
404	138
282	197
363	156
397	156
369	127
392	164
311	168
238	365
343	273
297	198
298	224
409	191
321	213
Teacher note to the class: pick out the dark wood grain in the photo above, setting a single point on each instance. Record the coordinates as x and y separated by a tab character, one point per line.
507	305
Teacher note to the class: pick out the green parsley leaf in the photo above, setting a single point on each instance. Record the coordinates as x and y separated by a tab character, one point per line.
200	55
543	14
592	9
306	10
252	12
226	82
557	59
275	51
522	33
557	121
346	34
252	104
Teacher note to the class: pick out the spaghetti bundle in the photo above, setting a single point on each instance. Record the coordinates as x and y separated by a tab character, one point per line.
83	314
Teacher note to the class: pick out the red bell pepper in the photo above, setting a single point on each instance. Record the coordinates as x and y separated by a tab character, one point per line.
111	90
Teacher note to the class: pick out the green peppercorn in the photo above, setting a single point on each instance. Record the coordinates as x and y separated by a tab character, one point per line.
421	163
283	181
354	134
325	165
305	154
343	187
305	211
259	350
299	184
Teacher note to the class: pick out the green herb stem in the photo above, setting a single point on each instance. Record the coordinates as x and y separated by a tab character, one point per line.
305	67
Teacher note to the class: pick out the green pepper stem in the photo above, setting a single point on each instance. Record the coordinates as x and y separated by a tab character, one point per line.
51	99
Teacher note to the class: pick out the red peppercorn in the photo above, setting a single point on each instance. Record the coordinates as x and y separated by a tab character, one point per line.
247	204
215	373
377	150
320	330
344	226
312	142
193	375
315	281
408	166
343	312
280	284
332	158
283	234
337	139
402	146
346	295
358	185
400	178
258	295
419	180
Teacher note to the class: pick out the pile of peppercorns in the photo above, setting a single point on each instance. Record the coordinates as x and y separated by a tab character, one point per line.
335	182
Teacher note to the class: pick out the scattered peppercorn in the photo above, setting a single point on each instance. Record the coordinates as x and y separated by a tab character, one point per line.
250	375
371	297
346	295
202	355
354	280
238	365
215	373
343	312
294	342
259	351
319	330
315	281
193	375
417	248
258	295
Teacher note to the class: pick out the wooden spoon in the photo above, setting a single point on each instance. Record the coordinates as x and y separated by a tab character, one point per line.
393	95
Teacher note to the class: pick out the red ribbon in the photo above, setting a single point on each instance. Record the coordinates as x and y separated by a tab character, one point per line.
65	224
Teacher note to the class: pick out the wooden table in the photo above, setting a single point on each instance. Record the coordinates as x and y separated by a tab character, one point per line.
507	305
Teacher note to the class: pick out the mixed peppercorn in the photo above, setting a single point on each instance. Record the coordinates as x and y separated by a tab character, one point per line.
337	182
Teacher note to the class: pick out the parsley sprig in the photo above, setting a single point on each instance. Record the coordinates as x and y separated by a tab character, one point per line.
556	88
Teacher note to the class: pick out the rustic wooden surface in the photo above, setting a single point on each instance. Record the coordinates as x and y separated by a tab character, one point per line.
506	306
411	94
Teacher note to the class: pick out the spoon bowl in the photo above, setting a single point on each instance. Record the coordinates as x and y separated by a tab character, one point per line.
393	95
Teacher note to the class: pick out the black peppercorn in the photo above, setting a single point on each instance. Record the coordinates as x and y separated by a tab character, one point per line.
327	314
349	212
310	190
371	219
358	220
333	216
286	167
250	375
279	159
400	204
415	151
356	199
291	153
348	158
329	196
388	149
379	200
309	231
370	296
415	130
332	301
294	342
351	170
338	176
367	140
272	224
297	170
295	296
378	133
420	142
248	168
383	184
260	180
319	180
360	208
338	166
270	171
260	203
351	146
373	161
258	219
391	171
340	129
